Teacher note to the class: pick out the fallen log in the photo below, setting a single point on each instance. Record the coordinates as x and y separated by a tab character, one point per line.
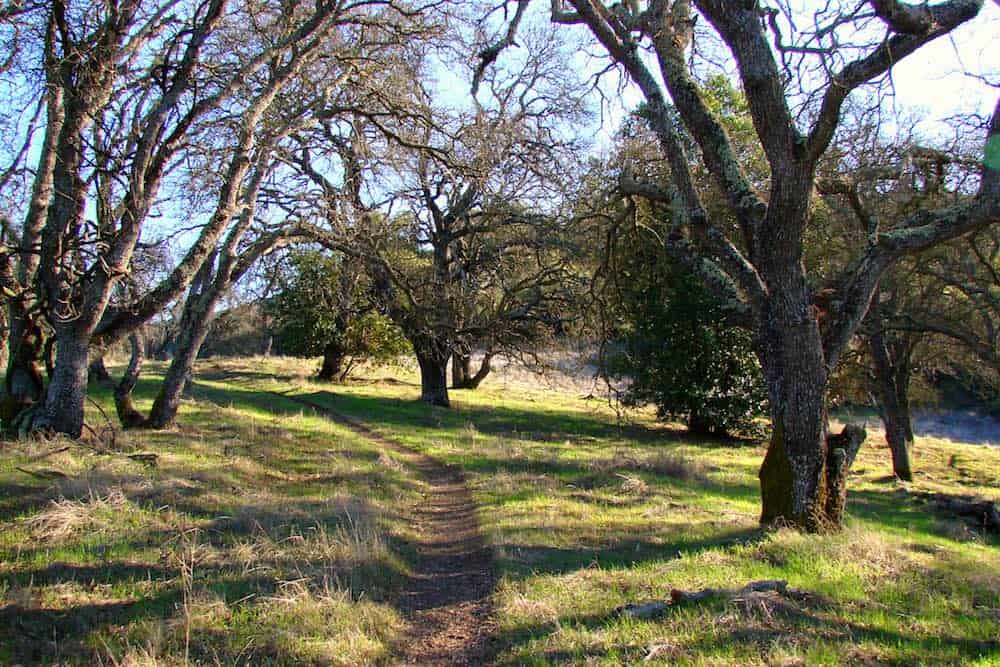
47	474
983	512
145	459
657	608
777	586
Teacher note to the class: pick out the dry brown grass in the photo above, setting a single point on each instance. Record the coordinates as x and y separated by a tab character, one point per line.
387	461
64	517
675	466
632	485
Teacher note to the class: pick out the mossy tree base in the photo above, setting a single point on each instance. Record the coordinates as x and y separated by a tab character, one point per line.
785	487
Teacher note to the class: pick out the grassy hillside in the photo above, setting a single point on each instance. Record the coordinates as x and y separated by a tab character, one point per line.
266	534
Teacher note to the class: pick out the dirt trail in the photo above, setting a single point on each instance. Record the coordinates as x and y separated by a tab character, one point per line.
447	601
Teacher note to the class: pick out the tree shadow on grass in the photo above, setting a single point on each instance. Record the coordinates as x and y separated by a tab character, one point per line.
20	499
541	425
887	508
529	560
107	573
752	627
898	510
761	634
99	600
523	635
43	633
43	636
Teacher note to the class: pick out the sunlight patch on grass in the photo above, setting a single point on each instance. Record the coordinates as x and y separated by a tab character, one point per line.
263	534
300	549
587	512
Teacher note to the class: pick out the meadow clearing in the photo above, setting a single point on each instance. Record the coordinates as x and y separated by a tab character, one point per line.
268	533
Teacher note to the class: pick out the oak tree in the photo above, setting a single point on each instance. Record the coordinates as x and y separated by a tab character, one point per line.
796	70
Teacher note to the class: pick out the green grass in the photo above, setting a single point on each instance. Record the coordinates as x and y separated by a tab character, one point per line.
289	527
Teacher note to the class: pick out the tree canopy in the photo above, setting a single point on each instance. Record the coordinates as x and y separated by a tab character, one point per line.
440	151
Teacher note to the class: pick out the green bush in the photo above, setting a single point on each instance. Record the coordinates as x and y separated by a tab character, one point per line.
677	350
323	308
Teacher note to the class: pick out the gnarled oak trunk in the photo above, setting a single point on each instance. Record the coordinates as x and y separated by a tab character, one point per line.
63	411
461	369
23	384
194	330
4	337
462	376
803	476
433	359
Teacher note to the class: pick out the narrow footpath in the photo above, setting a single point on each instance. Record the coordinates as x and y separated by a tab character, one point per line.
447	602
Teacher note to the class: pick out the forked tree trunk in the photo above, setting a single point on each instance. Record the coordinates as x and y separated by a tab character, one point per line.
97	372
462	376
461	369
891	365
127	414
63	411
433	360
795	491
485	368
803	476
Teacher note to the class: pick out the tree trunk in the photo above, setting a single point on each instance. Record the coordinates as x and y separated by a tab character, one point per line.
127	414
196	316
97	372
461	369
892	374
433	360
67	392
700	424
4	337
333	362
803	476
23	384
484	369
194	330
799	492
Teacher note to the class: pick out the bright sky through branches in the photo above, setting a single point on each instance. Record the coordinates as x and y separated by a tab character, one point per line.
953	75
